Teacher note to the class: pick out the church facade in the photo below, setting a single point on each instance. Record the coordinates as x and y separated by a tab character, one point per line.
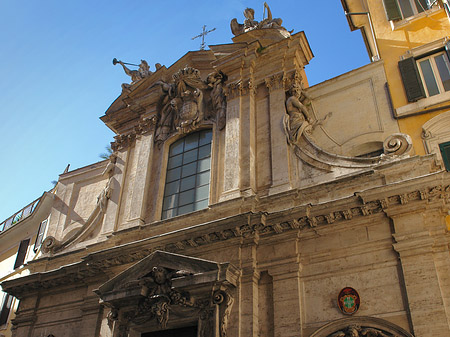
238	201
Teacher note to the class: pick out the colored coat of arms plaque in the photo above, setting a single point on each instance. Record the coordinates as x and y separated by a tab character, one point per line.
348	301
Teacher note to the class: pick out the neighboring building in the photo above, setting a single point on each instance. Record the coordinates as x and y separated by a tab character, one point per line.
412	37
240	202
21	237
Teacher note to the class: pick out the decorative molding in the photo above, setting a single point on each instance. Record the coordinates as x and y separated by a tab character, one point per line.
359	326
436	131
259	228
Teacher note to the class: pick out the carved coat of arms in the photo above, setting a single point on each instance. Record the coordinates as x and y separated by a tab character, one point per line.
188	100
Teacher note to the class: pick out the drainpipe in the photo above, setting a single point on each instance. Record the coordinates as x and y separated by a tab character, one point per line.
375	57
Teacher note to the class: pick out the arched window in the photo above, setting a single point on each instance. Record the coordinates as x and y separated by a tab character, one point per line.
188	171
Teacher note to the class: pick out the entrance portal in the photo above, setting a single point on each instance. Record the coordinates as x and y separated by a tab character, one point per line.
180	332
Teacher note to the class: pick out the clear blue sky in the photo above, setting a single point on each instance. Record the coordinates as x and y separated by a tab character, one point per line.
57	78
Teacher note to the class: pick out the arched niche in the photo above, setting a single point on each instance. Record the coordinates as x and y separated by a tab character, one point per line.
361	326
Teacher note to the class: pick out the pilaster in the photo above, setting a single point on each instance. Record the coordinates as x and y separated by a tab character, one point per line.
279	148
117	180
232	145
415	246
286	298
144	153
248	322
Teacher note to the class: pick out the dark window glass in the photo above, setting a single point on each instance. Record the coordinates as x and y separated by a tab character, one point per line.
6	307
443	65
21	253
188	172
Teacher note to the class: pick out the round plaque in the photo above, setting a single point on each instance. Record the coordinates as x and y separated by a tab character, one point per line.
348	301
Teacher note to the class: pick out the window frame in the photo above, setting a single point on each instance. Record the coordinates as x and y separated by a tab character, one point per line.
414	8
40	234
166	208
435	71
395	11
412	76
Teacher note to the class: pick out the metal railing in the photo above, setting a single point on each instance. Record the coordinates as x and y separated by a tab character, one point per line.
20	215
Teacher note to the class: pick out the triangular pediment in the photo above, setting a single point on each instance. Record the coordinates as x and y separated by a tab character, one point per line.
172	262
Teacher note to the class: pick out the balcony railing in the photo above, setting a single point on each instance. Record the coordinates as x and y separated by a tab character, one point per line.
20	215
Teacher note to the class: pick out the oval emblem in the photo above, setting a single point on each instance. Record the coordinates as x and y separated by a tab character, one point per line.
348	301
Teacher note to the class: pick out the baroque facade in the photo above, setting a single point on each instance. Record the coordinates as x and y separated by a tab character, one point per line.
239	201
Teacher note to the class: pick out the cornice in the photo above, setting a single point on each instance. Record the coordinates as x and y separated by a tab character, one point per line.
239	228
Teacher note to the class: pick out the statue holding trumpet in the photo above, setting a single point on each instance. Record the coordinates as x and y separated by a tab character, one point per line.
136	75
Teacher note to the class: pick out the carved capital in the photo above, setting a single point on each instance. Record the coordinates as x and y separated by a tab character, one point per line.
146	125
123	141
240	88
274	82
292	79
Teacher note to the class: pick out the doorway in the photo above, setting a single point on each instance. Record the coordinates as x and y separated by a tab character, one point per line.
190	331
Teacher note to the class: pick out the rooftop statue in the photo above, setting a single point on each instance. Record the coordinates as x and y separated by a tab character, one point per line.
136	75
250	23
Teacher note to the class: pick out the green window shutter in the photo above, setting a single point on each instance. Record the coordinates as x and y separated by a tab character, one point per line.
411	79
392	10
445	152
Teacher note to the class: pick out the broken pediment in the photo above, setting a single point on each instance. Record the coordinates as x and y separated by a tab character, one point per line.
166	290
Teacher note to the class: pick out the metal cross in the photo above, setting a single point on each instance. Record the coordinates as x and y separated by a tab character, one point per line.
202	35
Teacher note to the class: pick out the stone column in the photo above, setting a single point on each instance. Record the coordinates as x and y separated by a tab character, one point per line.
248	322
286	298
414	243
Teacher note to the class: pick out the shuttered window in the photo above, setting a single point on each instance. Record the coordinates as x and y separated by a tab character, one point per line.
21	253
445	153
411	79
6	307
40	234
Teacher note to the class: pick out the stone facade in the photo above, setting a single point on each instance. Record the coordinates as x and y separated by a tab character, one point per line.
311	190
